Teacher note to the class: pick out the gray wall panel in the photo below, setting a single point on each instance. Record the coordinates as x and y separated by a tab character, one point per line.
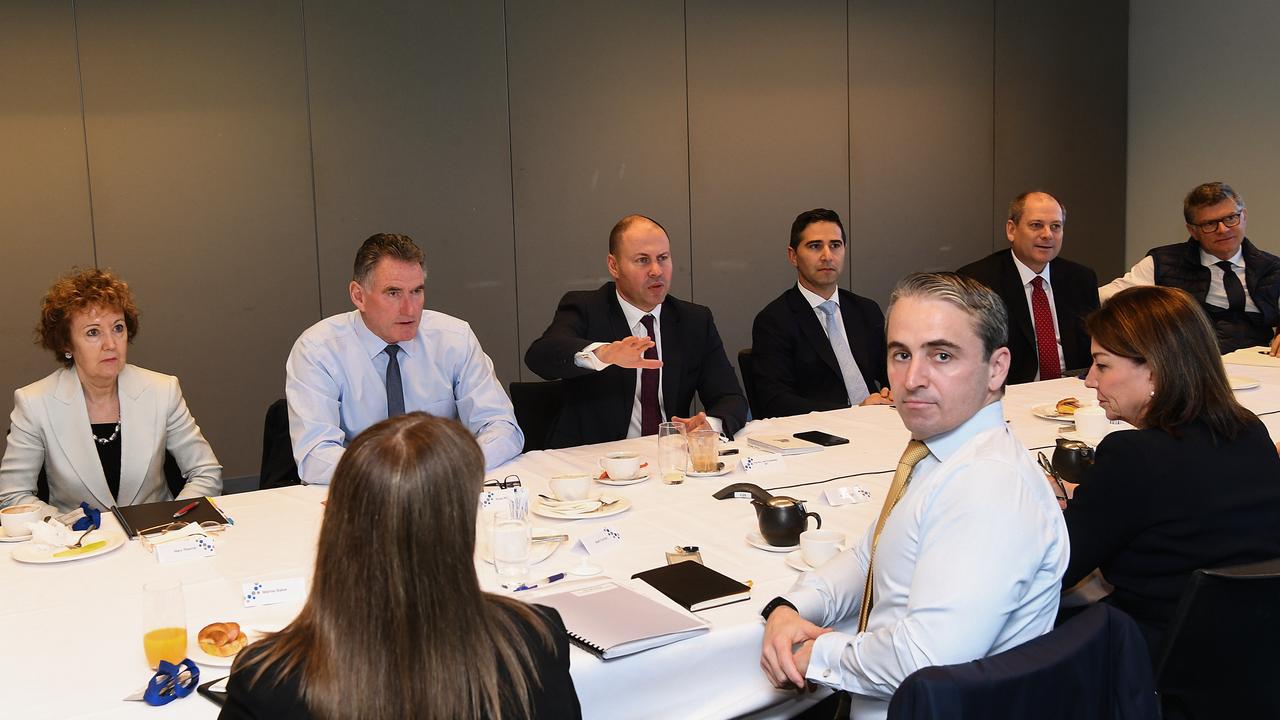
768	138
920	127
198	148
409	115
44	196
1060	108
598	130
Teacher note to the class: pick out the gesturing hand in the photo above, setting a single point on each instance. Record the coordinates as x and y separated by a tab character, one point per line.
628	353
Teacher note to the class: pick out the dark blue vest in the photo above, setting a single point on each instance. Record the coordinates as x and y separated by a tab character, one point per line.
1179	266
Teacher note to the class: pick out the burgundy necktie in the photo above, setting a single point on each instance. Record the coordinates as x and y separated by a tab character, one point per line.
650	414
1046	341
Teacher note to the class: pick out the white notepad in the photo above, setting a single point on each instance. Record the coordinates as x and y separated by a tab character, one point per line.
611	620
784	444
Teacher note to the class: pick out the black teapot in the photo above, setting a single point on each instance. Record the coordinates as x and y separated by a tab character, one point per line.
781	518
1072	460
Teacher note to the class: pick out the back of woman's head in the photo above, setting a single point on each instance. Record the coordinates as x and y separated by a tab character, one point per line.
1165	329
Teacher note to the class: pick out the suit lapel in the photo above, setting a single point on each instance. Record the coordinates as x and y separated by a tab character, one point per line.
807	320
856	335
137	425
1064	309
70	420
1019	313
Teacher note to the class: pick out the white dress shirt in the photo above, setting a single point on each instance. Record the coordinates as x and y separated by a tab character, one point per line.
815	300
587	358
969	564
335	381
1027	275
1144	273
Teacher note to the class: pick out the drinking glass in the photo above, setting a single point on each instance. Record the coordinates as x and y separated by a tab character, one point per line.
702	451
164	622
511	538
671	452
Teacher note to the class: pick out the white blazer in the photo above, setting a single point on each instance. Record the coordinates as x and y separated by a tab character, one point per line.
50	427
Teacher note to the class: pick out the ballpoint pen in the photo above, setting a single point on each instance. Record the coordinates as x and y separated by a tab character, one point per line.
186	509
544	581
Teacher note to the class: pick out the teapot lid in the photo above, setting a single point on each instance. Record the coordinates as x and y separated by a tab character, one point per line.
779	501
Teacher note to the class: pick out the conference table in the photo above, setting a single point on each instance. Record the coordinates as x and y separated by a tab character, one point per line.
72	632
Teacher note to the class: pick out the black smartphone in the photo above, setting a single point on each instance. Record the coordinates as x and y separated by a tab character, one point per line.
219	696
818	437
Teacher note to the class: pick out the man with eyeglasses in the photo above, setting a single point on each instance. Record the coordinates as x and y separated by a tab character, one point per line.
1236	283
1047	296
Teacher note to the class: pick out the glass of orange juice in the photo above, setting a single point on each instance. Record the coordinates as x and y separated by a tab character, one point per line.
164	622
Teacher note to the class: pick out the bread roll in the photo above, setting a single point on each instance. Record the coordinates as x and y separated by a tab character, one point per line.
1068	406
222	639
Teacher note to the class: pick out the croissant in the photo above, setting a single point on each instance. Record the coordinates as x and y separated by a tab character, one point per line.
1068	406
222	639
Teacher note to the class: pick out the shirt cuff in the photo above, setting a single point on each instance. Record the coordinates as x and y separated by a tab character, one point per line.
586	357
716	424
824	659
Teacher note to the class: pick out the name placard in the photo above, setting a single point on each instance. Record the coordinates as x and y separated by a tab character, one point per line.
257	593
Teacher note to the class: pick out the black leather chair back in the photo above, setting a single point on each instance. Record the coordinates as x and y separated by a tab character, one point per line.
748	381
537	405
1219	657
1095	665
278	468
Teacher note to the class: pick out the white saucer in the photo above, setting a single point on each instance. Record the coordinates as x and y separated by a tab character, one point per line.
796	560
537	507
1050	412
1073	435
755	539
725	469
540	550
619	483
5	537
1242	383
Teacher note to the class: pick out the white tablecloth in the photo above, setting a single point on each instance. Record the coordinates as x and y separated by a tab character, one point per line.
81	621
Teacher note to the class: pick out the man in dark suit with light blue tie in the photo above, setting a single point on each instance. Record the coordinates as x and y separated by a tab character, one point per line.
817	346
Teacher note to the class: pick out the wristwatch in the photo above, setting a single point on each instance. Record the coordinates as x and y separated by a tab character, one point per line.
774	604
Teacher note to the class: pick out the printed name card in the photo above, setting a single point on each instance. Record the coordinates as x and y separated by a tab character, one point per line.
848	495
187	548
602	541
271	592
773	463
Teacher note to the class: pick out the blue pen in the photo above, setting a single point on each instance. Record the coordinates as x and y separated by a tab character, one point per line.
544	581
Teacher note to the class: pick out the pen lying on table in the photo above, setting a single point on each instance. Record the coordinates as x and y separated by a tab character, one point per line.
542	581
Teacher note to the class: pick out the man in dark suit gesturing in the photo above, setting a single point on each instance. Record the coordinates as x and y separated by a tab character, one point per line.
818	347
631	355
1047	296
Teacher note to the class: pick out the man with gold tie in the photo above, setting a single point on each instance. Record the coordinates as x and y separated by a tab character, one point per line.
968	552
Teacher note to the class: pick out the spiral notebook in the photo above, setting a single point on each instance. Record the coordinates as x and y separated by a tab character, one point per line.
611	620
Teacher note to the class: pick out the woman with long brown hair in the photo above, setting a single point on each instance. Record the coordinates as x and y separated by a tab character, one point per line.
1197	485
396	625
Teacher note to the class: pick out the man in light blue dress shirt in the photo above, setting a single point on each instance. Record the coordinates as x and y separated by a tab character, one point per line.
968	559
339	378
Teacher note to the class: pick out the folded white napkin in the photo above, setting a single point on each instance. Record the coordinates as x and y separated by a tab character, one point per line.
53	534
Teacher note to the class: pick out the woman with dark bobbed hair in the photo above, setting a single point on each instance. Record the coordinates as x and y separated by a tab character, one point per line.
1197	485
396	625
98	426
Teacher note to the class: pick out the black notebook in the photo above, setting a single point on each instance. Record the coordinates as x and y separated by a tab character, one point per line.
694	585
149	518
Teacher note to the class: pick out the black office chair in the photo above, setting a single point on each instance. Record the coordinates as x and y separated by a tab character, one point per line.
1094	665
537	405
278	468
1219	653
748	381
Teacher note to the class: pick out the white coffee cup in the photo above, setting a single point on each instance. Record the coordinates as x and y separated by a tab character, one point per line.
571	487
621	465
15	519
1092	422
819	546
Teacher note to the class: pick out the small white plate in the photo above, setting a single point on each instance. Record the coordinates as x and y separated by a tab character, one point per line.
755	539
538	507
725	469
43	554
796	560
1242	383
1050	412
619	483
5	537
540	550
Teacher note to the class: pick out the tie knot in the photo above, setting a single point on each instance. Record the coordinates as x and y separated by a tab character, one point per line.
647	321
1225	265
1038	282
915	452
391	351
828	308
